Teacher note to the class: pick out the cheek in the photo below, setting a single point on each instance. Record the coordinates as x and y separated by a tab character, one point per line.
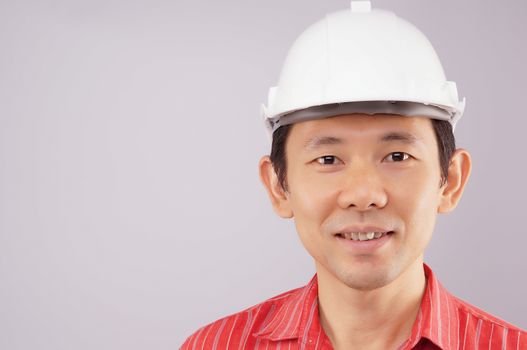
311	206
416	197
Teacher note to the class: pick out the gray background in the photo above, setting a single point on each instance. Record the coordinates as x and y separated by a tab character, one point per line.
131	212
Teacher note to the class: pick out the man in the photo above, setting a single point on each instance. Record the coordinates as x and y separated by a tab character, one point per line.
363	158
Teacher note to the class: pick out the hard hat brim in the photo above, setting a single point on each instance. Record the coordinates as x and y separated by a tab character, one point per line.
403	108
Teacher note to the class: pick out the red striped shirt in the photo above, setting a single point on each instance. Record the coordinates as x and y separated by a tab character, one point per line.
290	321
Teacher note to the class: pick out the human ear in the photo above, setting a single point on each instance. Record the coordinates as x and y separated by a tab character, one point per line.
458	174
277	195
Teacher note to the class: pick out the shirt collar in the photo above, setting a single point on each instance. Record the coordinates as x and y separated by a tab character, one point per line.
292	313
434	320
437	315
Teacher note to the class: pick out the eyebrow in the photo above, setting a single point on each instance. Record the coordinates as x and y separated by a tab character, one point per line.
392	136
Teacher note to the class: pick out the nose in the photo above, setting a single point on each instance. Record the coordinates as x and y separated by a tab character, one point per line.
362	189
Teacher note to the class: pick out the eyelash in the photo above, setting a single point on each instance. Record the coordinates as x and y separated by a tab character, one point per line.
404	153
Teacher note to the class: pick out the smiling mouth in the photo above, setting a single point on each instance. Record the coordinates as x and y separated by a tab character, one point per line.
363	236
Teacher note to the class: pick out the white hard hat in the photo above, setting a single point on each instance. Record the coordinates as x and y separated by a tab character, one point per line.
361	61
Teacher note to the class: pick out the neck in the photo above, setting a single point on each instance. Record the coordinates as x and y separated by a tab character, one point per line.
370	319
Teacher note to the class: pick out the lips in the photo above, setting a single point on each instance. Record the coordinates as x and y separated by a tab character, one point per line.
363	236
364	229
363	245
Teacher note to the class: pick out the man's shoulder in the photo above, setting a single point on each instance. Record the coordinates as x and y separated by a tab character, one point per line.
475	317
471	324
237	327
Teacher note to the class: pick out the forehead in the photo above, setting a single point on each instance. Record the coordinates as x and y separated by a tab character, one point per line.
380	128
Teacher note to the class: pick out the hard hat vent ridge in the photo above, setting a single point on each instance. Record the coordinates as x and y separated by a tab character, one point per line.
360	6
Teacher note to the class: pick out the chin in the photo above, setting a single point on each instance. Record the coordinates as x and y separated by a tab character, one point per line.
366	279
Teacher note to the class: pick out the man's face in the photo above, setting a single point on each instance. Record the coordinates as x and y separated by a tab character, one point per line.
362	180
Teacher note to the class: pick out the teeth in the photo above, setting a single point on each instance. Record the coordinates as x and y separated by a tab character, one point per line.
362	236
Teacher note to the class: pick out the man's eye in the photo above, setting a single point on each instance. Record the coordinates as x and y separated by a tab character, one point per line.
326	160
398	156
